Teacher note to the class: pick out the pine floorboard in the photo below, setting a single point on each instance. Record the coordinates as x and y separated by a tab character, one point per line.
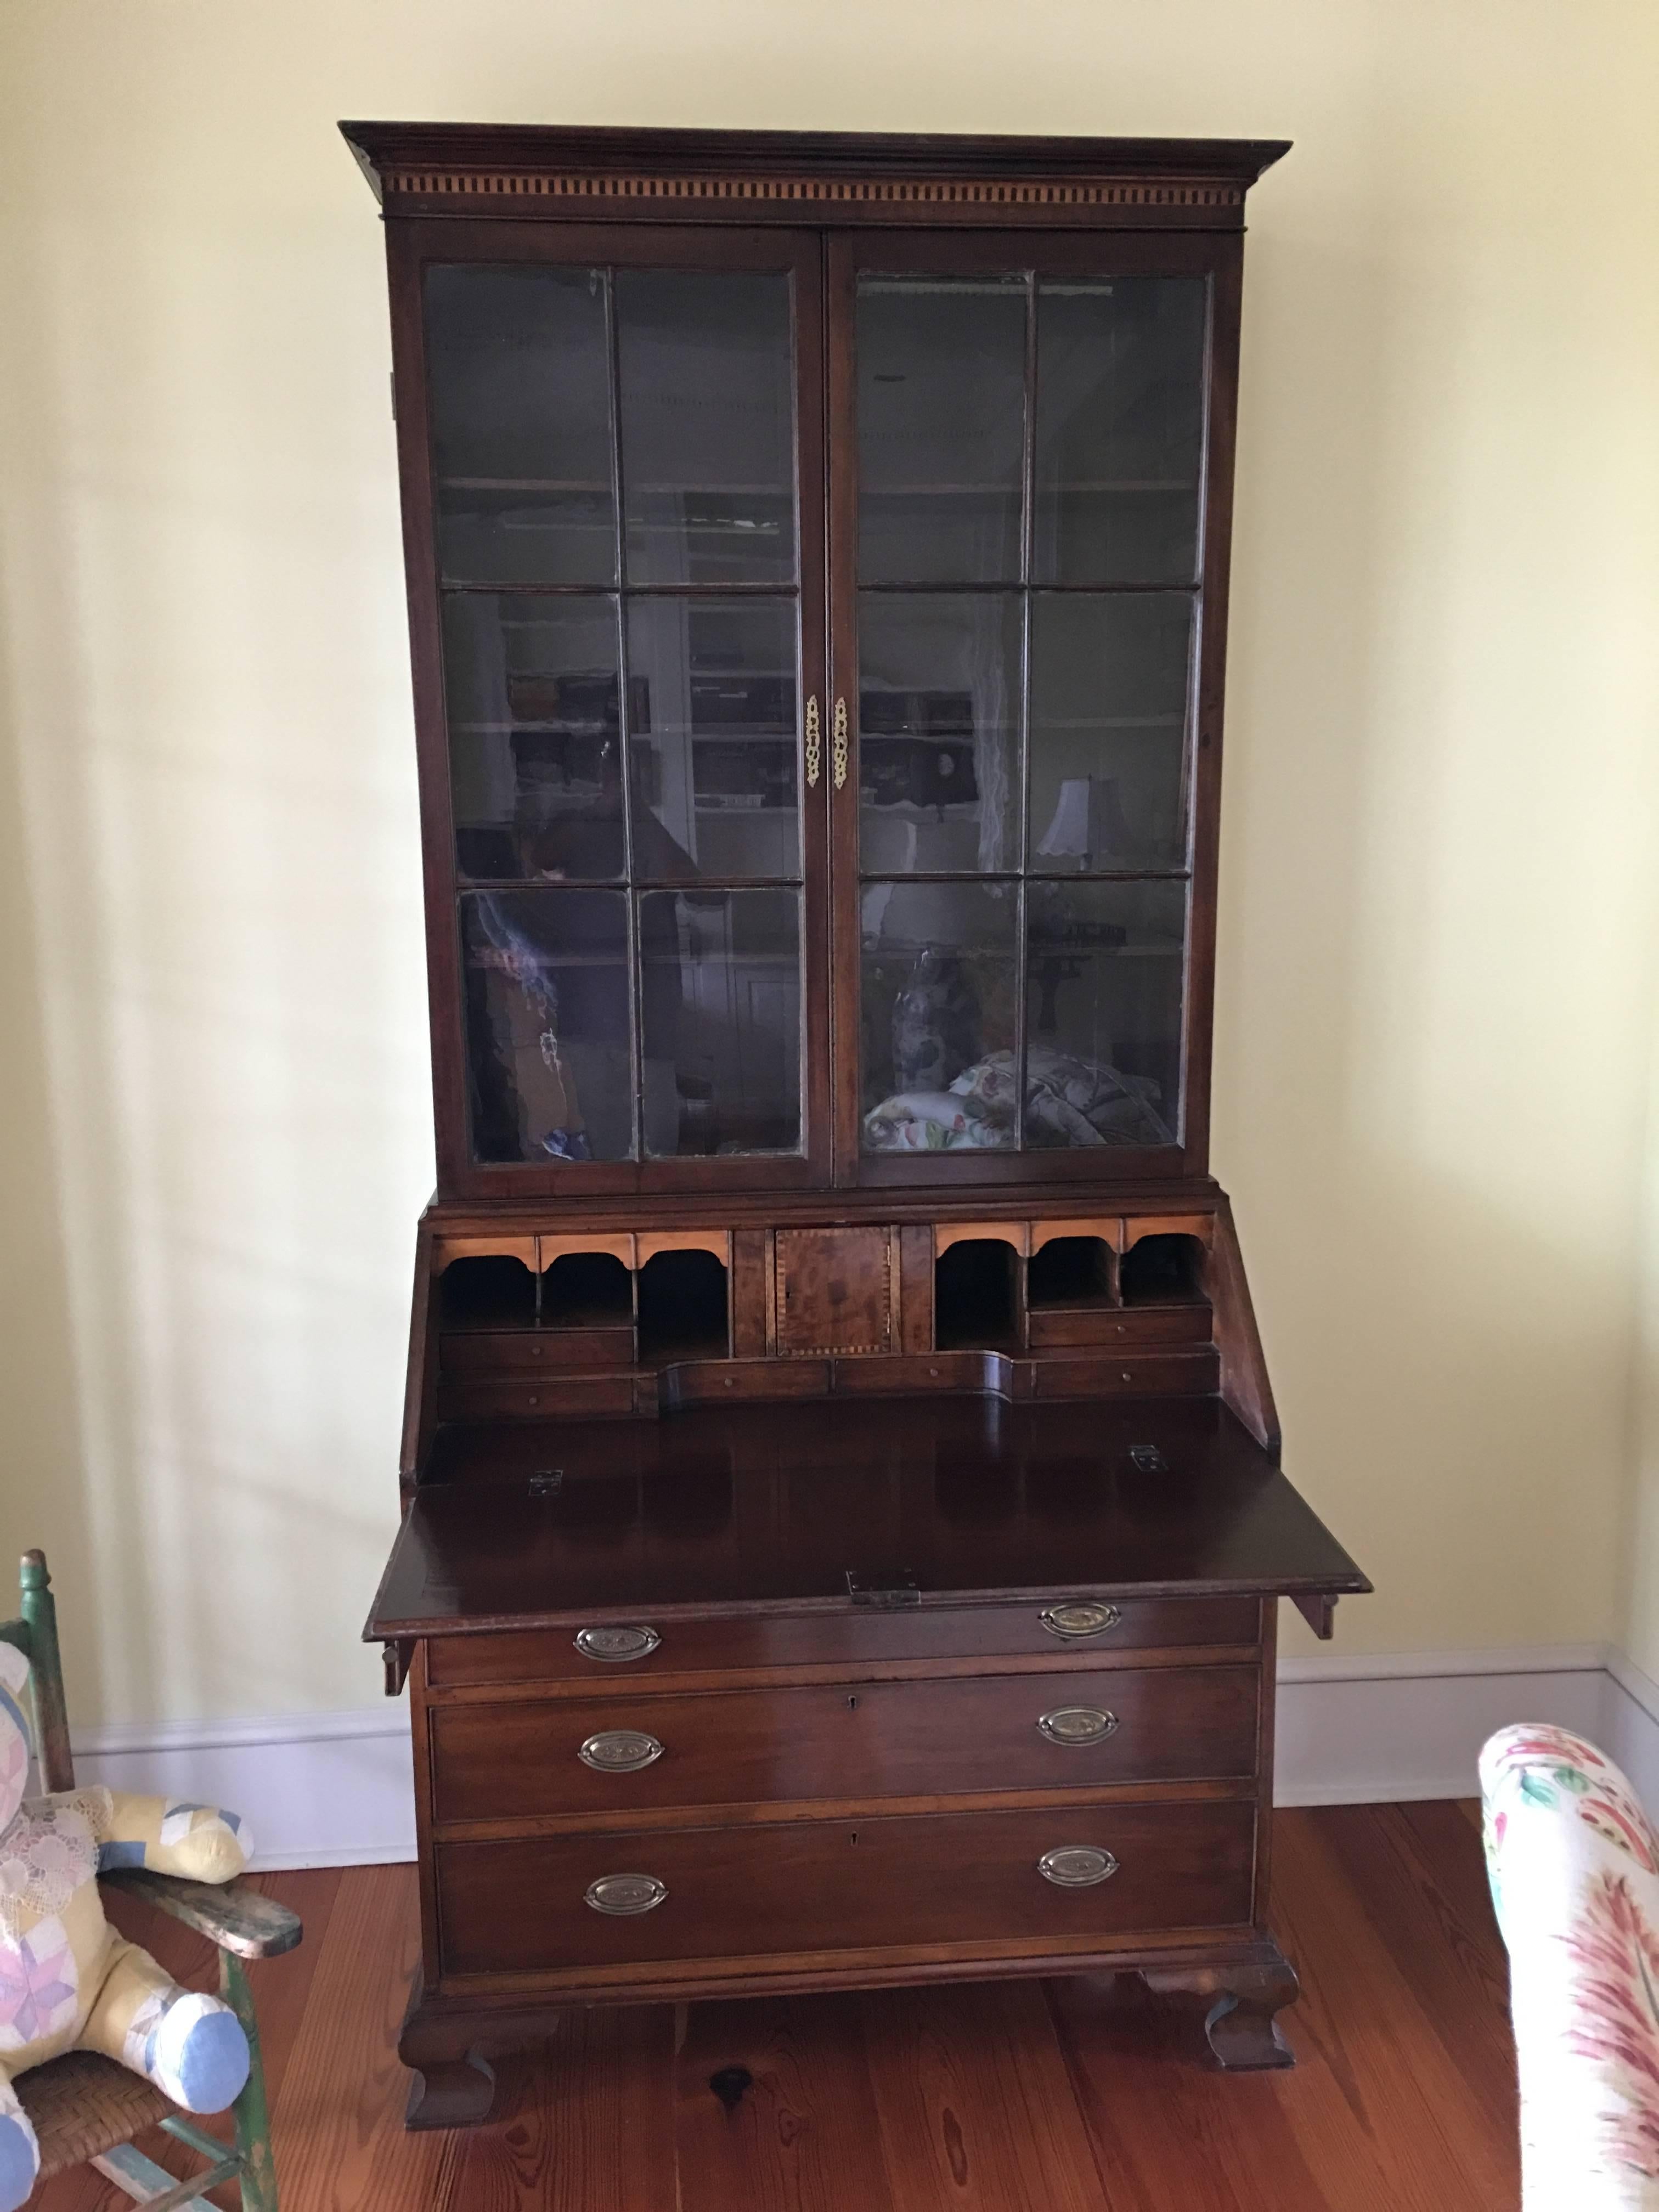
1081	2095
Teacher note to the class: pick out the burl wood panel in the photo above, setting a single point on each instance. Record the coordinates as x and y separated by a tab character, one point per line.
816	1886
834	1289
862	1740
854	1637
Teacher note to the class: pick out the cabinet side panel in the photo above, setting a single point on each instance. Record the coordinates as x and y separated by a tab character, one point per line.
1244	1385
421	1381
1221	416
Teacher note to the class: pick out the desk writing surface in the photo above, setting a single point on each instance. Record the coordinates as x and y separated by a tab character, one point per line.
754	1508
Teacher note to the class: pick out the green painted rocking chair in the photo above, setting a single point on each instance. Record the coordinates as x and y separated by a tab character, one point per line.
86	2108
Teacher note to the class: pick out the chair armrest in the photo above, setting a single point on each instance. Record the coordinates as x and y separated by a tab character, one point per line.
231	1914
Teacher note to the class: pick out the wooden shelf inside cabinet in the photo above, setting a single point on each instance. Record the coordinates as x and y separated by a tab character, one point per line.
835	1409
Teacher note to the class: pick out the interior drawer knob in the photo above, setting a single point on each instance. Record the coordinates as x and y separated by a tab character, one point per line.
616	1643
1070	1866
620	1751
1074	1724
1079	1617
624	1894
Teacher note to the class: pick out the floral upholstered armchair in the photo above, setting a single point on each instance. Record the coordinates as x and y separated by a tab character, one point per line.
1574	1864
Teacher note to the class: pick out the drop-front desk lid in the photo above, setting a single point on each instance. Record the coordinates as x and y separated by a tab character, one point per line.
935	1501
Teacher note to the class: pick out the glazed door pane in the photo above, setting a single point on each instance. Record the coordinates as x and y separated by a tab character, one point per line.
1029	506
549	1061
714	756
1108	739
1102	998
631	429
519	387
534	697
940	677
941	386
720	1014
706	383
1119	429
940	989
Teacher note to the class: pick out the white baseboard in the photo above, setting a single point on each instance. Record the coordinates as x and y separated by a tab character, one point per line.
338	1790
318	1790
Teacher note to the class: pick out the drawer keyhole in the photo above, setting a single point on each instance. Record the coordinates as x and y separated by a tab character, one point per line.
852	1704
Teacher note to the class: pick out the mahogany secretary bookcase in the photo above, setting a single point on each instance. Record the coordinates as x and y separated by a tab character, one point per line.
843	1527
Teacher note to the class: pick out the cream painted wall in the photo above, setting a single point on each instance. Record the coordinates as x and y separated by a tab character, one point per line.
1437	1042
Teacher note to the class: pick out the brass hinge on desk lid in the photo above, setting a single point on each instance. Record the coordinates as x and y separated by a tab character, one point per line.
395	1657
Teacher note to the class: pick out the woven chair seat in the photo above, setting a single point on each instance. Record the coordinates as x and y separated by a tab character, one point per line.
83	2104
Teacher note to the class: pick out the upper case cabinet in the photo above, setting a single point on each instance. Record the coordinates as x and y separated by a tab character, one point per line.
817	557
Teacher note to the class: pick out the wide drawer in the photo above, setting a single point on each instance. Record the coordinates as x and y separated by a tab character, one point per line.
819	1887
857	1636
911	1739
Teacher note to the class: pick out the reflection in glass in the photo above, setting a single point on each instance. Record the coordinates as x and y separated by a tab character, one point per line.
720	1019
547	1025
941	401
938	732
938	1002
714	780
535	738
520	398
1119	429
1104	970
1108	732
705	363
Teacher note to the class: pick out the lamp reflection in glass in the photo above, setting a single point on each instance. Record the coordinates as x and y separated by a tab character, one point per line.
1089	825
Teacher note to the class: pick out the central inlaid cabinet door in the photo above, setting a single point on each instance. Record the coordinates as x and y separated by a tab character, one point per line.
834	1289
624	789
1018	563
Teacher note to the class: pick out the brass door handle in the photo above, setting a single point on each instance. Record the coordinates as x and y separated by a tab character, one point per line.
1077	1618
1078	1724
838	748
615	1643
1076	1866
620	1751
625	1894
814	743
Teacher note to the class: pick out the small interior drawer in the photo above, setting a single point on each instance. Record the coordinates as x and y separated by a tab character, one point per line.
1131	1373
715	1382
465	1354
844	1884
536	1398
1125	1327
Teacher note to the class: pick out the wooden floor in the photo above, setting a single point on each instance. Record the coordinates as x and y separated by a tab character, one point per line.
1080	2096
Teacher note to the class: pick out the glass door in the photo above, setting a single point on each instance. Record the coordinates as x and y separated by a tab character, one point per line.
1019	551
626	626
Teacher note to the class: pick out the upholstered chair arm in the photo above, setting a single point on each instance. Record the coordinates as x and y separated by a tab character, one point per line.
1574	1864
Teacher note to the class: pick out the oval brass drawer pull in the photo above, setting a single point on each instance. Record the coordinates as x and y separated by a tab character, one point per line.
616	1643
1079	1617
1074	1724
620	1751
624	1894
1076	1866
